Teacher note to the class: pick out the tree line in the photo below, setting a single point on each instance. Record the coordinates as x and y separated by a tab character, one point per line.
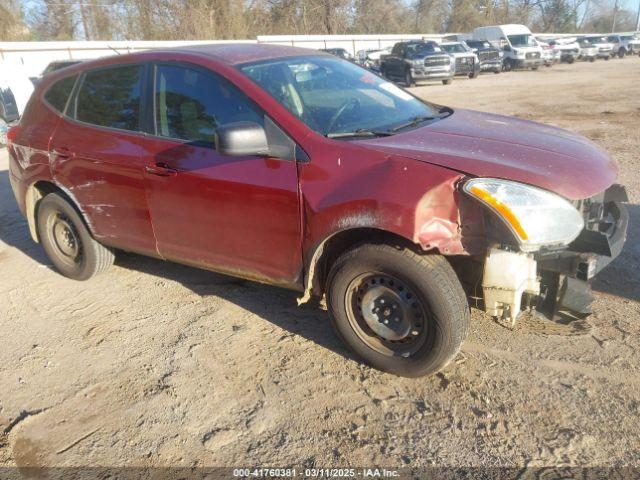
239	19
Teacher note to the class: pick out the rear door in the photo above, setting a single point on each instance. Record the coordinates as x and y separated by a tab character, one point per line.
234	214
97	154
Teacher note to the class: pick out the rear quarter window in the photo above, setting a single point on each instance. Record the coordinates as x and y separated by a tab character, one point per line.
58	93
110	97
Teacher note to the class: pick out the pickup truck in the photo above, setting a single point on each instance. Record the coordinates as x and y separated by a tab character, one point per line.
414	61
624	44
466	61
490	57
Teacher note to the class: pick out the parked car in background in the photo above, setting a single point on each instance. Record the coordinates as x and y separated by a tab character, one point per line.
466	61
518	44
588	51
626	44
416	61
489	56
16	88
568	47
549	54
339	52
304	171
605	49
370	59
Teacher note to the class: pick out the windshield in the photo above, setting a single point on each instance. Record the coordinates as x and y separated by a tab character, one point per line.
416	49
522	40
484	44
626	37
597	40
454	48
333	96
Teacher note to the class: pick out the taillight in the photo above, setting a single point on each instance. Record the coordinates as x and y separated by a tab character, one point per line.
12	134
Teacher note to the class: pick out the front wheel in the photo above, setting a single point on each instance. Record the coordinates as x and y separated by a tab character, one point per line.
402	312
67	241
447	81
507	65
592	59
621	53
408	79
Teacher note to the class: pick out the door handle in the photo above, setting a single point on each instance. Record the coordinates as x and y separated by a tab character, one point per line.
160	169
63	153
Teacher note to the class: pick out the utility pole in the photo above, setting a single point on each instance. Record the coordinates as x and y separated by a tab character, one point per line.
638	18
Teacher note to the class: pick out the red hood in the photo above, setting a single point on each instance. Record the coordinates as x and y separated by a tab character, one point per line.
487	145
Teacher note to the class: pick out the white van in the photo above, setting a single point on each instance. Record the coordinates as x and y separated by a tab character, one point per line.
520	47
15	90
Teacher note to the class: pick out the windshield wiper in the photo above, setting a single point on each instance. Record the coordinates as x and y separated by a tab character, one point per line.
361	132
415	121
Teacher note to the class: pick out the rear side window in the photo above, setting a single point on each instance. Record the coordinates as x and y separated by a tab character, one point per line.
110	97
191	104
59	92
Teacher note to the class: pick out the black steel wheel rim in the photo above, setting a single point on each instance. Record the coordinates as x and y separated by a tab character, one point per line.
64	238
387	314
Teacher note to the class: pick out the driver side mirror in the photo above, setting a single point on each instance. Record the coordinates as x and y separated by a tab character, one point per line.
242	139
506	48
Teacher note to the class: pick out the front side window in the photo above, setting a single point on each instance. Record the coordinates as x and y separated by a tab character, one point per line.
332	96
110	97
191	104
59	92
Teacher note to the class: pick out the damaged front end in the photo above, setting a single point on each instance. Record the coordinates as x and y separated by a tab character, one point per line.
550	269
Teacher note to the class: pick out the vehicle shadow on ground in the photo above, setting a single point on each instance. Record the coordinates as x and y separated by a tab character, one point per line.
622	277
275	305
14	230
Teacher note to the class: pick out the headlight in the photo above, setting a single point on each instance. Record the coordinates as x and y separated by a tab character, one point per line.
417	63
535	216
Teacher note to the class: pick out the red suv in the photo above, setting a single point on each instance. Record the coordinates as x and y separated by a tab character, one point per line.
299	169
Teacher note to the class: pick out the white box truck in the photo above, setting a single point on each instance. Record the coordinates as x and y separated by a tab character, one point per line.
516	41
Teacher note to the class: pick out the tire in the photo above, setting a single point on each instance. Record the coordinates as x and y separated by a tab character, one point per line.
621	53
496	71
592	59
508	65
67	241
607	58
447	81
408	79
534	68
473	75
434	314
570	60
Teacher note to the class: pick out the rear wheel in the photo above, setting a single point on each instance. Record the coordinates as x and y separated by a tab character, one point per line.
402	312
67	241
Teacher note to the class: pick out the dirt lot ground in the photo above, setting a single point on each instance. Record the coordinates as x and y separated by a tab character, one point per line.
158	364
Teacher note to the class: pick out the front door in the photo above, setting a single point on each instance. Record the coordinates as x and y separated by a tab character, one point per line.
239	215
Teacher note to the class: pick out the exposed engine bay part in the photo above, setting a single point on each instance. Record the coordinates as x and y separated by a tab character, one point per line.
507	275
